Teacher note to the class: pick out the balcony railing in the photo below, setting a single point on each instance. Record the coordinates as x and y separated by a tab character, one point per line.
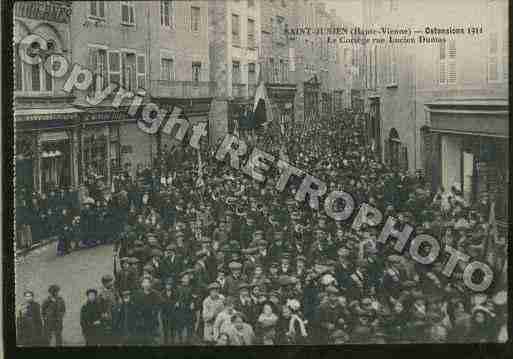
183	89
275	72
238	90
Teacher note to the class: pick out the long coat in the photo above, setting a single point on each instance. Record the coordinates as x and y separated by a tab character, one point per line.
211	307
91	322
52	313
29	325
124	321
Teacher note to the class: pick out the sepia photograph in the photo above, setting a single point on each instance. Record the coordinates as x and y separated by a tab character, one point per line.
259	172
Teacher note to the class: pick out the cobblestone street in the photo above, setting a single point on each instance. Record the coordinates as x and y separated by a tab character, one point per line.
74	273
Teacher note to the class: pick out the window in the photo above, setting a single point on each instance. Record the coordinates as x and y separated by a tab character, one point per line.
292	58
279	30
35	76
497	41
97	9
451	68
251	33
235	30
195	18
251	73
443	64
270	69
447	62
196	71
127	13
98	65
129	71
493	66
393	66
393	5
141	71
114	67
236	79
283	71
166	13
167	70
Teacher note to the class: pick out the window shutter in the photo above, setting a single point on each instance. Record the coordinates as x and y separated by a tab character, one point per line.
101	8
386	152
48	77
92	7
17	69
114	66
141	71
404	158
451	75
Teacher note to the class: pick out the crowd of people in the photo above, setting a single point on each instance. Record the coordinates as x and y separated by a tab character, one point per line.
203	254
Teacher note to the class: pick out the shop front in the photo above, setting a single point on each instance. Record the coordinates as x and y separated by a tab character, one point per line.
46	159
470	149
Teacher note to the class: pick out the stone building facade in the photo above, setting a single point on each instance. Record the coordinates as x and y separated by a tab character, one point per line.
442	108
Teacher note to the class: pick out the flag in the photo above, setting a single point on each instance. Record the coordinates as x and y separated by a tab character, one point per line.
261	107
199	181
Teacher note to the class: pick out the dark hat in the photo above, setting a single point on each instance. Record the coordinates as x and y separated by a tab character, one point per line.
171	247
213	285
339	334
107	278
92	290
54	288
124	259
187	271
238	315
301	258
148	267
133	260
243	286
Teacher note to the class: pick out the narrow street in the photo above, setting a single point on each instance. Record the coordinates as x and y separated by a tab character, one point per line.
74	273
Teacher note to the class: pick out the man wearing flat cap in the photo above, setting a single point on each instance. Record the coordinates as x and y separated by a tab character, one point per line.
124	319
234	279
212	305
91	319
170	264
125	277
147	302
244	303
107	298
332	315
52	311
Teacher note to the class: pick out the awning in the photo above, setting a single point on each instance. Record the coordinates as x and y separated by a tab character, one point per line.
470	116
46	111
54	136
